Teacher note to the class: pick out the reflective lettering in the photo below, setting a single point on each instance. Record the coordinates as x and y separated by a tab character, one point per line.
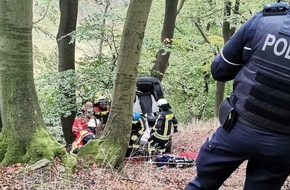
284	41
287	55
278	46
270	40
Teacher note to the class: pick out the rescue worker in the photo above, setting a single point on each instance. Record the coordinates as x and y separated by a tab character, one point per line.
101	109
82	118
256	127
138	128
85	135
162	130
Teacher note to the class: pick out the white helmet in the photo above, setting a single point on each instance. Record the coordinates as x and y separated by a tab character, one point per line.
94	123
161	102
101	99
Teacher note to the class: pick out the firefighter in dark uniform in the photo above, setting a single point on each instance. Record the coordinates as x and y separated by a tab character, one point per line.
162	130
138	128
102	109
257	127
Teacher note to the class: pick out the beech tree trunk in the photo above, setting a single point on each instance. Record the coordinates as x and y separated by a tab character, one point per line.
167	34
227	33
112	147
66	56
23	137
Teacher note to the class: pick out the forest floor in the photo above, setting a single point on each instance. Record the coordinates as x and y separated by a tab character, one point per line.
140	175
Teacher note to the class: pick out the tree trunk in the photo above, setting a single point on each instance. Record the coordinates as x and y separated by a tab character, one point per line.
163	55
220	86
66	55
226	24
23	137
107	4
112	147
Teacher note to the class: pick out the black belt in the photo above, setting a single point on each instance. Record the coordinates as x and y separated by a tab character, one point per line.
255	126
247	123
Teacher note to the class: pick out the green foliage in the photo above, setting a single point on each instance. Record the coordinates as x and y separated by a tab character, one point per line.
95	77
51	90
94	71
188	84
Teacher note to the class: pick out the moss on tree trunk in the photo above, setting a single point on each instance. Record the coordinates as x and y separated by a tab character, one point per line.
110	150
42	145
24	137
101	151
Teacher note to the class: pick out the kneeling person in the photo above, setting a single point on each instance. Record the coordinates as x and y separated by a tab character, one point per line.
162	130
85	135
138	128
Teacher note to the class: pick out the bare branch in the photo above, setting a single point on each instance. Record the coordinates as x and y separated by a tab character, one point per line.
180	6
45	13
201	32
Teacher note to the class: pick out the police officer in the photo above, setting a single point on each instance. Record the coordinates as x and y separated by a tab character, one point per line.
257	57
165	124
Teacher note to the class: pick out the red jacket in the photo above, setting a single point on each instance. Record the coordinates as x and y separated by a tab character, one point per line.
100	111
78	142
101	114
79	125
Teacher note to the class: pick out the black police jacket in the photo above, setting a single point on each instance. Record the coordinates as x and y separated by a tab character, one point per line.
257	57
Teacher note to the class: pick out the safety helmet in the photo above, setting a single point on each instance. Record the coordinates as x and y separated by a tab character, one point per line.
161	102
101	99
136	116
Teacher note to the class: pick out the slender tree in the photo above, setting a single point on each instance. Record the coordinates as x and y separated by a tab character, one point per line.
66	55
167	34
107	4
23	137
112	147
227	33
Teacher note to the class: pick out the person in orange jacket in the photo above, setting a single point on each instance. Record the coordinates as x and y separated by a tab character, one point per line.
82	118
85	135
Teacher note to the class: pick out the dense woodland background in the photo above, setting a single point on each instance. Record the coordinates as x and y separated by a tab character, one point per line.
200	32
55	54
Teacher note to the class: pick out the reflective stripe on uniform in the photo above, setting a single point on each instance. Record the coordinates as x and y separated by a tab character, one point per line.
161	137
162	150
168	118
83	132
104	112
154	127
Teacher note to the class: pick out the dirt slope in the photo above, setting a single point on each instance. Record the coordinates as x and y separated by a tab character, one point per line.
141	175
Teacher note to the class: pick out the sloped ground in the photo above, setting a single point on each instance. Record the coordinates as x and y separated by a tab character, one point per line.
140	175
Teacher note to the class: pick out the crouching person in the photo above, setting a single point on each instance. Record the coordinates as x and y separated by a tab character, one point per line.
82	118
162	130
138	128
85	135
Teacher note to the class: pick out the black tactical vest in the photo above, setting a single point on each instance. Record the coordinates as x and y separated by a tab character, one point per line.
262	87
